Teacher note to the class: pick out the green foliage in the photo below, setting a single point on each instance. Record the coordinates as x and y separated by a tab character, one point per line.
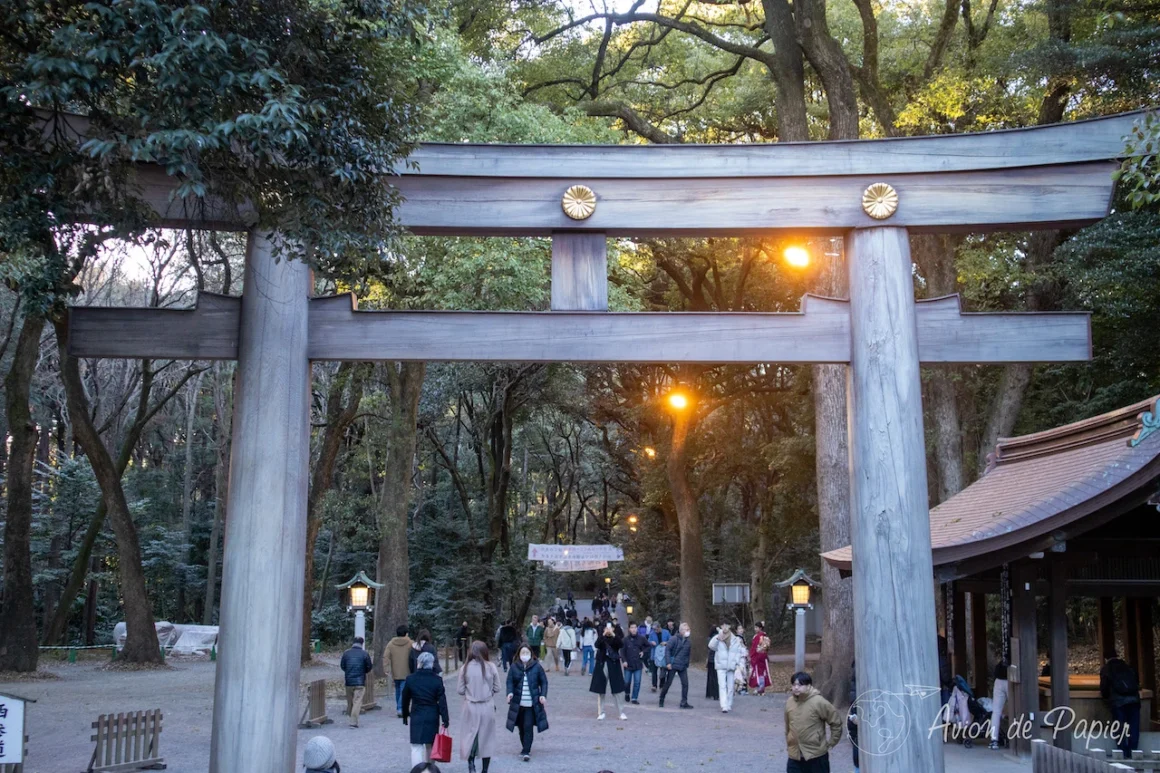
295	108
1140	173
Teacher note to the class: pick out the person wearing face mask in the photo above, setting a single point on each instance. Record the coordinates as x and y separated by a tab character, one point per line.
527	697
729	653
607	674
679	649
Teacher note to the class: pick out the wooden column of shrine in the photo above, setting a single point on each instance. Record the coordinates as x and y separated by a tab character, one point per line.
1060	689
1024	679
980	672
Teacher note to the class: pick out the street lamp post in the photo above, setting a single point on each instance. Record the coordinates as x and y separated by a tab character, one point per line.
359	600
800	585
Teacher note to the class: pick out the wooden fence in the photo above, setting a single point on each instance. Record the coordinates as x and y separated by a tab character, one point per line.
1140	760
315	713
368	702
127	742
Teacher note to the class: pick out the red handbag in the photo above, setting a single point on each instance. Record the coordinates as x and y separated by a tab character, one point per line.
441	748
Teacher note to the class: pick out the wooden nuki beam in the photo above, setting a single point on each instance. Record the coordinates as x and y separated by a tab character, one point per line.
820	333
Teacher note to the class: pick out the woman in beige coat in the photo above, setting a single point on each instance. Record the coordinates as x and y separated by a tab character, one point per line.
478	684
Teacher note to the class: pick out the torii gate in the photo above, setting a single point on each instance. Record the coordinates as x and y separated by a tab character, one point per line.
872	192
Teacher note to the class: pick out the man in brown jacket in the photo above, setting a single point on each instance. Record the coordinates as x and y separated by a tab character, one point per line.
806	715
397	654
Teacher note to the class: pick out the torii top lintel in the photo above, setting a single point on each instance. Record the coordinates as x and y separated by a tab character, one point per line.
1018	179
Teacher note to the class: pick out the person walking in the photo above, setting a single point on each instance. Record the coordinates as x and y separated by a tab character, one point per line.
552	643
741	675
999	694
658	639
398	654
567	644
318	756
421	645
807	715
462	642
508	639
588	638
424	706
527	697
535	636
355	664
729	653
607	675
679	649
478	684
635	654
759	660
712	687
1120	688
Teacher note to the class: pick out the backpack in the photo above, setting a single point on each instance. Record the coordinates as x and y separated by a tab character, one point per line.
659	655
1124	680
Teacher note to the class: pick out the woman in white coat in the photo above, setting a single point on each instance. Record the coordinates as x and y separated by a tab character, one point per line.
729	654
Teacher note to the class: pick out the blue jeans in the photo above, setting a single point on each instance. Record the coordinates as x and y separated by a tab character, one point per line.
399	695
632	683
588	664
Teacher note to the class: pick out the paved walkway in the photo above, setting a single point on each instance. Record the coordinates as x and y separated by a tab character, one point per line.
749	740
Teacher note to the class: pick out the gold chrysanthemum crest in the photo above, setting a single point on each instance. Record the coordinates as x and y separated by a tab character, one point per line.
880	201
579	202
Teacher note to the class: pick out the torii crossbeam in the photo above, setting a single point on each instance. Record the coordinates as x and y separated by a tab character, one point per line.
871	192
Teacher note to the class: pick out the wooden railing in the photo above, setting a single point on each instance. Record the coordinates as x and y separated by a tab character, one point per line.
127	742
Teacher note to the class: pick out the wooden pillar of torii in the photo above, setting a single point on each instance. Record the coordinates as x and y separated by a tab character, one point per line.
873	192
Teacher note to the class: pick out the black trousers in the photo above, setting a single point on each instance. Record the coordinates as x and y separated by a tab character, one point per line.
652	670
684	675
816	765
526	722
567	658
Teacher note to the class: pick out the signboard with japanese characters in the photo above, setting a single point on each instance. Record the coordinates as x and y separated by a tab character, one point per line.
11	729
575	553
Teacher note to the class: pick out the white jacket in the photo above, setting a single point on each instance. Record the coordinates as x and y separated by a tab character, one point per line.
567	640
588	639
729	657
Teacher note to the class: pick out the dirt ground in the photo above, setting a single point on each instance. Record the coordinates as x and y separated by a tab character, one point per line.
748	740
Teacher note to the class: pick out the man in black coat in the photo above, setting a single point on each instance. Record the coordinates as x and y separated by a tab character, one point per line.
355	665
679	650
636	652
1120	688
423	644
424	705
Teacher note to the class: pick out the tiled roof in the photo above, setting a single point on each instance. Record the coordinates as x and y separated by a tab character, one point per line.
1034	483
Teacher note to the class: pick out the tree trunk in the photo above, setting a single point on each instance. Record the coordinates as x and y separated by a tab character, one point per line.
187	495
832	477
394	569
141	644
339	416
222	422
693	578
18	646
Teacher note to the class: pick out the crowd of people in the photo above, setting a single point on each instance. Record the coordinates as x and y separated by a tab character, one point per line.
614	661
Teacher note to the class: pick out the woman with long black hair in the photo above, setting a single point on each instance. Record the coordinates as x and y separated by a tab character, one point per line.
607	674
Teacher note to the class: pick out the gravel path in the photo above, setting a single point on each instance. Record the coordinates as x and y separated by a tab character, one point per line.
748	740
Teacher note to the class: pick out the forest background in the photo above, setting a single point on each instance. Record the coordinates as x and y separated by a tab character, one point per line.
434	477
